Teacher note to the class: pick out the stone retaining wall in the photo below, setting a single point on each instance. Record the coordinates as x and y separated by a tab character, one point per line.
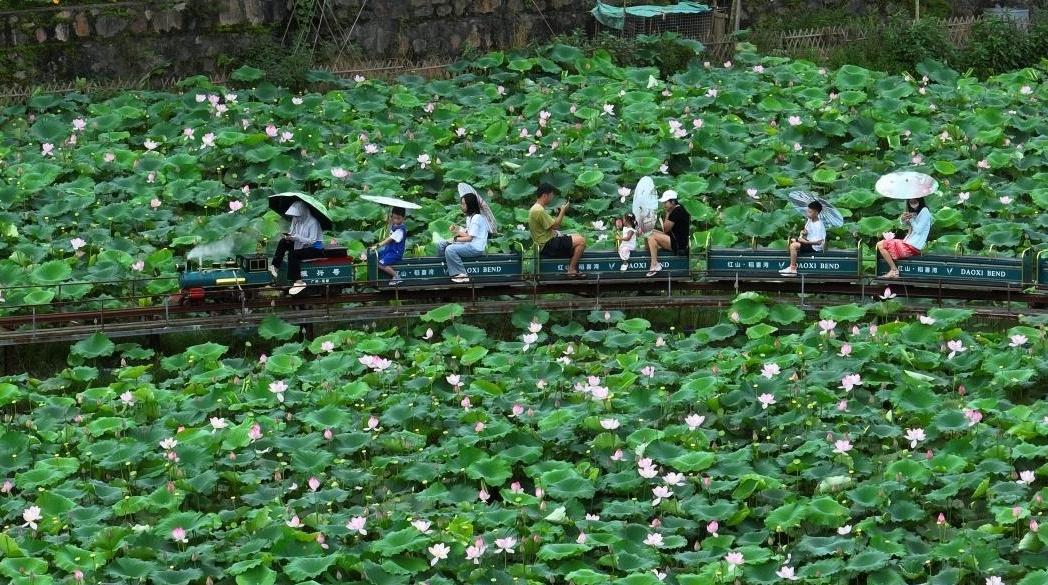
185	37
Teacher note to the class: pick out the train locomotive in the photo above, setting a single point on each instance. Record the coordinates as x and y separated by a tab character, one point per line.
244	275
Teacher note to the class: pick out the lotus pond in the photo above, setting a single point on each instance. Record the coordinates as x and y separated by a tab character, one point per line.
773	446
100	189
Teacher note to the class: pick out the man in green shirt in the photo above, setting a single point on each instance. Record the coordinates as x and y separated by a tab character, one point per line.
544	232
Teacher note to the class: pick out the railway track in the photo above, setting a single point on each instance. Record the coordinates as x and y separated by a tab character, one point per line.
490	299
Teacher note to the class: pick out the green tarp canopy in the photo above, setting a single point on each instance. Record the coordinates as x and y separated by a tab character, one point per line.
615	17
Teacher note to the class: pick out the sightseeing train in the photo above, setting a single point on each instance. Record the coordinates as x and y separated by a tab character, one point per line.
336	271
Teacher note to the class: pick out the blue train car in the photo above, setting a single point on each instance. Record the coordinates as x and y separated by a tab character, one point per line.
431	271
607	265
979	271
1038	268
766	263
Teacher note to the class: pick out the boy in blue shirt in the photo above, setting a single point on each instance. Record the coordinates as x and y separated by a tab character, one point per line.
392	248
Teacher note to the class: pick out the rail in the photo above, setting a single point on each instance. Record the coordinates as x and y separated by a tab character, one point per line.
408	301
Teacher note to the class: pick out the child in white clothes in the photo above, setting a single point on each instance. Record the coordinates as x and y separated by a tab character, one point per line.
627	240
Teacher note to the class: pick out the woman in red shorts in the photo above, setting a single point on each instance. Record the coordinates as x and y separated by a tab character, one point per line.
919	219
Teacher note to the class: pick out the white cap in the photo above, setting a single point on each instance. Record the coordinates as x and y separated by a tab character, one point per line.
671	194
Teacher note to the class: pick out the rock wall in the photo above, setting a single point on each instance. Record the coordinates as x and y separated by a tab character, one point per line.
130	39
755	9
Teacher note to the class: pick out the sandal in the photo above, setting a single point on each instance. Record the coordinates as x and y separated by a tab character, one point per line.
460	279
654	269
891	274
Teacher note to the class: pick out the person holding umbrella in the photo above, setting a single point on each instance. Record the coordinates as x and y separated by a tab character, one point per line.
811	239
470	240
913	187
303	240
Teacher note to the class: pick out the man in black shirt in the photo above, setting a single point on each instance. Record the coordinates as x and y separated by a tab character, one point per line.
675	233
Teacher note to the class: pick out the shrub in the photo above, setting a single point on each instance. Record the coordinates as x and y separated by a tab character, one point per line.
996	46
904	44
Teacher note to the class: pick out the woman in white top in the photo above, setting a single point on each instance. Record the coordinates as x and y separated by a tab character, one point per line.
304	240
919	219
469	241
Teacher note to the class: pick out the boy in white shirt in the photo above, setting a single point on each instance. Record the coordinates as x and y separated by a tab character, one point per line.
812	238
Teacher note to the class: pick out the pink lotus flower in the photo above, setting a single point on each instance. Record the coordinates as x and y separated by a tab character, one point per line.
150	144
474	552
994	580
78	576
752	193
328	435
127	398
1033	525
955	346
770	370
208	140
786	572
422	525
372	423
842	406
694	421
653	539
766	400
371	148
648	371
674	479
77	243
888	294
327	346
846	349
842	446
455	380
844	530
711	92
1026	90
7	487
758	69
926	320
609	109
339	173
294	522
1018	340
581	538
313	484
500	90
278	388
827	326
255	433
600	393
483	495
962	196
917	159
466	404
609	423
235	206
697	123
661	493
460	132
797	147
727	64
973	416
178	534
218	423
297	101
439	551
941	520
505	545
850	381
1027	477
168	444
31	515
356	524
109	157
617	455
286	136
429	334
517	410
713	527
914	436
423	160
734	559
47	149
983	164
794	121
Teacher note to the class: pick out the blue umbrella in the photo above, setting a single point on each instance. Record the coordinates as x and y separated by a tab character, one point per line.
830	215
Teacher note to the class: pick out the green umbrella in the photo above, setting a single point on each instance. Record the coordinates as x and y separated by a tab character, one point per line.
282	201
